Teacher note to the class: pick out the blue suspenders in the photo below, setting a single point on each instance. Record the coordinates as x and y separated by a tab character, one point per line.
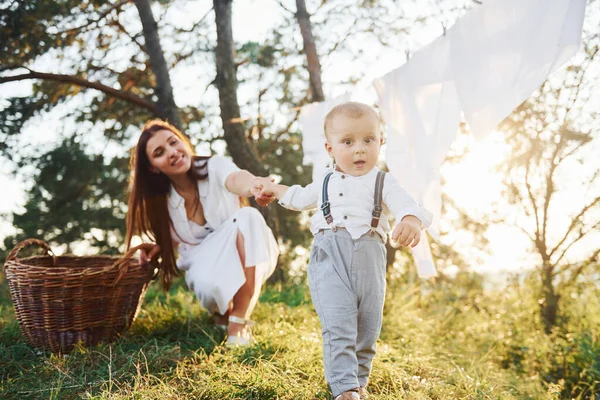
377	208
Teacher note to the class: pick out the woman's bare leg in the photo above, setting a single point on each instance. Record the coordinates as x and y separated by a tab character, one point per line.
243	297
223	319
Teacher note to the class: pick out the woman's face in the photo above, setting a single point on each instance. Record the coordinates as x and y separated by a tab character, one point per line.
168	154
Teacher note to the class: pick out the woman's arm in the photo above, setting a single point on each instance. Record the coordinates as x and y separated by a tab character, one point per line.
242	183
147	257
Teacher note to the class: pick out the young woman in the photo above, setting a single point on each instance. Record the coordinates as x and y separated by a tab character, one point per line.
192	204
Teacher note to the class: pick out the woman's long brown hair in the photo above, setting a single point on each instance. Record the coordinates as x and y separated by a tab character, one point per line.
148	213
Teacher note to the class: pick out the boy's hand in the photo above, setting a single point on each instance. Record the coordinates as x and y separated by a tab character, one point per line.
258	189
408	231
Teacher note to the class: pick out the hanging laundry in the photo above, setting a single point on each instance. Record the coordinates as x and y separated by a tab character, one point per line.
487	64
312	117
504	50
420	108
421	112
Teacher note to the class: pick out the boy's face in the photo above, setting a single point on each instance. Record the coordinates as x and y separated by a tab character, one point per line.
354	143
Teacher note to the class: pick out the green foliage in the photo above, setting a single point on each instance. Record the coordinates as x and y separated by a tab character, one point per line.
24	33
72	194
568	358
12	118
262	55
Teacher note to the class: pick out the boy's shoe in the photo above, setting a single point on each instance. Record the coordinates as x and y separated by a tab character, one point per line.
348	396
243	337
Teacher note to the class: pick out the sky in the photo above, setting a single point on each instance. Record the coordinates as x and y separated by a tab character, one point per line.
472	183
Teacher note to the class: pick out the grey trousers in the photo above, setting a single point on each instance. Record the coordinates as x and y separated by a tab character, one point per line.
347	286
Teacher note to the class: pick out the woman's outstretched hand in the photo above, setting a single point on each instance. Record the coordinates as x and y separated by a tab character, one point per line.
145	258
259	190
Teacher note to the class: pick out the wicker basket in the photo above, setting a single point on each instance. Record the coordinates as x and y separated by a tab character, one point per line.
62	300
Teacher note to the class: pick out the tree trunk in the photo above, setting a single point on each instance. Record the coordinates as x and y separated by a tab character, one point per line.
166	102
235	135
233	128
310	49
549	305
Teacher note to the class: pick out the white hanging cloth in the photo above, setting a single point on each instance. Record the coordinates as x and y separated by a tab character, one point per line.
504	50
420	107
311	119
490	61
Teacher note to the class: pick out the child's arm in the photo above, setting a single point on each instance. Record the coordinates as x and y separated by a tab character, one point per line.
275	189
409	216
295	197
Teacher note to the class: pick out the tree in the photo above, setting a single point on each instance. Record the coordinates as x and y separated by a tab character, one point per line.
551	143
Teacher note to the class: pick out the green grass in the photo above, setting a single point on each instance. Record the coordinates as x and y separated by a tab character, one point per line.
449	343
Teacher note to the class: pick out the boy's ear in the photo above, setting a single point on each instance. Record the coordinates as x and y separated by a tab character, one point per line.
328	149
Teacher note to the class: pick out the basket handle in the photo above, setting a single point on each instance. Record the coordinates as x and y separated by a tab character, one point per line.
13	254
123	262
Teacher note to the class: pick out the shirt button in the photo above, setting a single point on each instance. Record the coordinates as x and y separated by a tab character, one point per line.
341	194
207	228
345	217
234	220
343	176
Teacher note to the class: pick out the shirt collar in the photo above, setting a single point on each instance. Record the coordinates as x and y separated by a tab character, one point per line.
175	199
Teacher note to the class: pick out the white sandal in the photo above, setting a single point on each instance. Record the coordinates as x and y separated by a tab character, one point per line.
244	336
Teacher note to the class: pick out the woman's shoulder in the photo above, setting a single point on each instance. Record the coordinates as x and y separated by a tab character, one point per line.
217	159
218	168
219	164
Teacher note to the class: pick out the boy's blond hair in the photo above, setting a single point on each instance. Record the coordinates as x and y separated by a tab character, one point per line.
351	109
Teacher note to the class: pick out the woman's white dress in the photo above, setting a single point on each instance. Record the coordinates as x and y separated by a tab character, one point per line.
208	254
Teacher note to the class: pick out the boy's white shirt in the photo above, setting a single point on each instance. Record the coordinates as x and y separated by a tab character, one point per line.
352	201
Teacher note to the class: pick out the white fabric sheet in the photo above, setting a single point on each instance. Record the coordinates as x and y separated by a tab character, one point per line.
490	61
504	50
420	107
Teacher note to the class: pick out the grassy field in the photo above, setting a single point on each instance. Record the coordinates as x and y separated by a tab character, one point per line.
452	342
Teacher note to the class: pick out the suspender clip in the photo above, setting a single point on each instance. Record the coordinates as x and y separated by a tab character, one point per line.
377	212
